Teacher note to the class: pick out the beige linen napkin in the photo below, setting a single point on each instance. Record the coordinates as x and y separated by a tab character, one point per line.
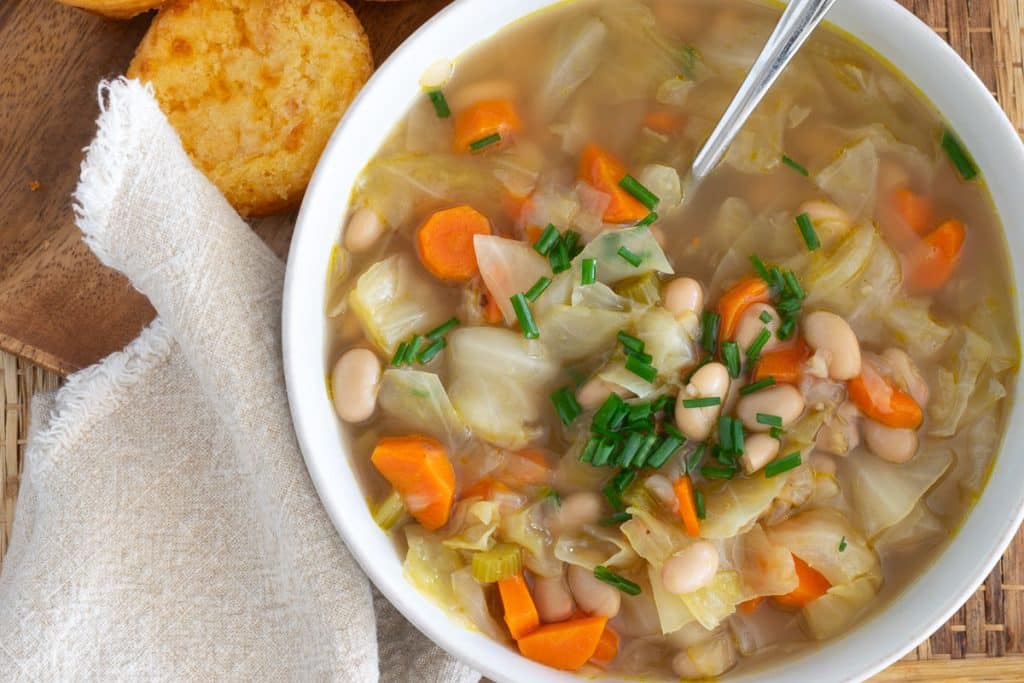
166	527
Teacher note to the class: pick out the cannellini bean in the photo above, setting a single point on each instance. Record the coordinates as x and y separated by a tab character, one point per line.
553	599
354	381
576	510
683	295
907	375
691	568
830	334
750	326
890	443
758	451
497	89
592	595
363	230
712	380
829	220
782	400
684	667
595	391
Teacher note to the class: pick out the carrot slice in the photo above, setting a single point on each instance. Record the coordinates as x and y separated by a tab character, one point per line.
607	648
812	585
564	645
734	302
931	263
784	365
883	402
914	209
664	121
419	469
751	605
445	242
484	488
687	505
483	119
520	611
528	467
603	171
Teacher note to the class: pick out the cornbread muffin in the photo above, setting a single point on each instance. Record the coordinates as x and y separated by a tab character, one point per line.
255	88
115	9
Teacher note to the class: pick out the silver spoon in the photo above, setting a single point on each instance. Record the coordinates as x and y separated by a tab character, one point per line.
794	28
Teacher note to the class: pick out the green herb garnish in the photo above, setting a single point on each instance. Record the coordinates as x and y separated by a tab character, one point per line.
731	356
958	155
440	104
588	271
606	575
770	420
566	405
526	321
443	329
427	354
485	141
642	194
704	402
803	222
542	283
783	464
631	258
795	166
757	386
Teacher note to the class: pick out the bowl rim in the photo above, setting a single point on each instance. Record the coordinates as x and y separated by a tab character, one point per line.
890	31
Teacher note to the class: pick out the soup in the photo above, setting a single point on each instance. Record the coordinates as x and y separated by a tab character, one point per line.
619	423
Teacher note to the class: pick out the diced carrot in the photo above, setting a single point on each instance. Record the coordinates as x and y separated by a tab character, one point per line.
491	310
784	365
520	611
525	468
516	206
604	172
485	118
914	209
419	469
751	605
882	401
484	488
445	242
607	648
687	505
812	585
931	263
734	302
664	121
564	645
533	233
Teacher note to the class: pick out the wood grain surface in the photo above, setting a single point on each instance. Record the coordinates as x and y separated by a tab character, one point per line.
59	307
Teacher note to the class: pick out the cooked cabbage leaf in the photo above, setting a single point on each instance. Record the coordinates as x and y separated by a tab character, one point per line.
715	601
667	340
470	597
523	528
611	267
815	536
673	613
917	531
575	54
574	332
840	606
652	538
417	400
593	546
734	506
956	383
910	321
507	268
851	179
429	565
473	525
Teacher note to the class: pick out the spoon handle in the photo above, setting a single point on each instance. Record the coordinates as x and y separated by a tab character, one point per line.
796	24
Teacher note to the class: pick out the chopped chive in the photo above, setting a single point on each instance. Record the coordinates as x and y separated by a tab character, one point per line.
770	420
399	356
613	519
631	258
613	496
559	257
412	349
572	243
698	502
757	386
695	457
803	221
640	459
754	350
648	219
621	413
603	416
731	356
710	472
842	544
640	411
705	402
737	437
546	240
533	293
786	328
642	194
629	450
688	62
674	431
783	464
762	270
622	480
725	433
630	342
603	453
485	141
443	329
775	279
958	155
765	317
794	165
793	285
440	104
566	405
427	354
775	432
661	402
640	368
789	305
709	331
640	356
590	450
588	271
606	575
526	321
724	457
665	450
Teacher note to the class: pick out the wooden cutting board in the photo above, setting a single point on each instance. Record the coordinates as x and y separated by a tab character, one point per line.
60	307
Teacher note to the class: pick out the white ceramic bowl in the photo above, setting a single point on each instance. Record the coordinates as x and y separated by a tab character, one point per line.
876	641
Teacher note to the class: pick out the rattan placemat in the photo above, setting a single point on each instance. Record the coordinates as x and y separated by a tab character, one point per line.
986	33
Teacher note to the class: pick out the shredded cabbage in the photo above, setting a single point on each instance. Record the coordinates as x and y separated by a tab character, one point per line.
575	332
576	53
664	182
470	597
593	546
815	536
611	267
653	539
765	568
667	340
733	507
394	300
956	383
910	321
714	602
672	611
473	525
831	273
918	530
523	528
840	606
507	268
429	565
417	400
851	179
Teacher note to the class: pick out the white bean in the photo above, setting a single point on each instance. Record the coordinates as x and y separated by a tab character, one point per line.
750	326
907	375
683	295
354	381
782	400
691	568
554	601
830	334
576	510
595	390
592	595
890	443
363	230
758	451
711	381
